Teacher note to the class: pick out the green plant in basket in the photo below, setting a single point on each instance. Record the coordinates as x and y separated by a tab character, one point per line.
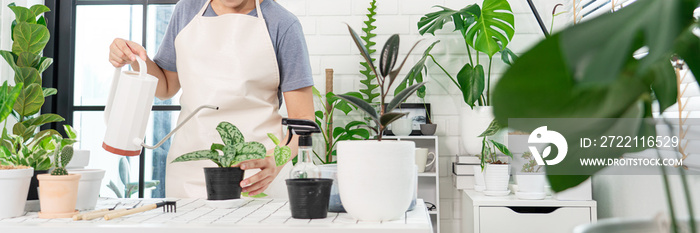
235	149
386	75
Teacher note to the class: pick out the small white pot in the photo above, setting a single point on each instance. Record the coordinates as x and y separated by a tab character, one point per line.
15	183
473	123
531	182
88	187
496	177
402	127
582	192
376	178
81	158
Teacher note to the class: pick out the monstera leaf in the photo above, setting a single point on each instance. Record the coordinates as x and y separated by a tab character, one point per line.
496	24
588	71
434	21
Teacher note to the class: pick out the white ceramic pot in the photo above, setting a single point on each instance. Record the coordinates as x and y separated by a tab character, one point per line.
81	158
376	178
618	225
473	122
88	187
582	192
496	177
15	183
402	127
479	183
531	182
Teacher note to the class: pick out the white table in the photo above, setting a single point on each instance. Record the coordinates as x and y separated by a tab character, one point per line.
488	214
193	215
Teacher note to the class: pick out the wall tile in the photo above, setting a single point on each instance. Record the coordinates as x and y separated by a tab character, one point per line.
326	7
297	7
384	7
445	209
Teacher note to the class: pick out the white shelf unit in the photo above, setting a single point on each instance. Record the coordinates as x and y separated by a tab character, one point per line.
429	181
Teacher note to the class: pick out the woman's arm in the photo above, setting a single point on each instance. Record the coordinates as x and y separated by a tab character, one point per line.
299	106
122	52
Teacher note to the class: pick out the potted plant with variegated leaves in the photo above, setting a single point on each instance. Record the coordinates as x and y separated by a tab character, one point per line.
223	181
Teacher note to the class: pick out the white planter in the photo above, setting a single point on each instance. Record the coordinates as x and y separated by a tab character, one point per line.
81	158
376	179
617	225
479	183
496	177
89	187
15	184
402	127
473	122
531	182
582	192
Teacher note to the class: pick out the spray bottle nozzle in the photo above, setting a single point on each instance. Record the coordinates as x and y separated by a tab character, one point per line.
300	127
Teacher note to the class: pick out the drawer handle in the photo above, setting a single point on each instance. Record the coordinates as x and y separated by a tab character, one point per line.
533	209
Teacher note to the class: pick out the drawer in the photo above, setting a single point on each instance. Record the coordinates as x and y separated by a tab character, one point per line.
532	219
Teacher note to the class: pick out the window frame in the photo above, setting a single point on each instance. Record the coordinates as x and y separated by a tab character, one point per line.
61	22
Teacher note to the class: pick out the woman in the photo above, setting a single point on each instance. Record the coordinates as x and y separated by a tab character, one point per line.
239	55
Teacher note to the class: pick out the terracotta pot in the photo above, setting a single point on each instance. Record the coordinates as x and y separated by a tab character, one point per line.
58	195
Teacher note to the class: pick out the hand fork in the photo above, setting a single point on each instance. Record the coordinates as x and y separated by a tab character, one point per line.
91	216
168	206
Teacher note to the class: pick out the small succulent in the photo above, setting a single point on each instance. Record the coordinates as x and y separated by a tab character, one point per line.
61	160
235	149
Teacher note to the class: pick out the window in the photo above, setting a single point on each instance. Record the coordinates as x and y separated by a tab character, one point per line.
83	76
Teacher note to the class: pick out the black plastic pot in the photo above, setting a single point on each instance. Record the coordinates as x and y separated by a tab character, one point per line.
223	183
308	198
34	185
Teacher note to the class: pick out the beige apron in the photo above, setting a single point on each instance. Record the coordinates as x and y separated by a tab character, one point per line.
226	61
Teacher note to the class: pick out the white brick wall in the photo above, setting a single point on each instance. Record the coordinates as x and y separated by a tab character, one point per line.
330	46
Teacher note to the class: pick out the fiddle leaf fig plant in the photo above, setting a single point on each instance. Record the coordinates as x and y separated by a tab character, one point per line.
23	145
235	149
385	75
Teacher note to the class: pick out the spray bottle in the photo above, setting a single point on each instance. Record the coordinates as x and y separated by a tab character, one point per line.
305	168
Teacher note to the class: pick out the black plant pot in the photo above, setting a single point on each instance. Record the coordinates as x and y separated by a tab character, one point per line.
308	198
428	129
34	185
223	183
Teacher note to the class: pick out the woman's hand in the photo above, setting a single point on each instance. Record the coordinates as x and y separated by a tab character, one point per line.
257	183
121	52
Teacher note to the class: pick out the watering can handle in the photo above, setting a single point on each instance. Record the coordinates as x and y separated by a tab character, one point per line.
115	81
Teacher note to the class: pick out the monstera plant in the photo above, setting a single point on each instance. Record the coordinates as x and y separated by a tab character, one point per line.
597	73
487	29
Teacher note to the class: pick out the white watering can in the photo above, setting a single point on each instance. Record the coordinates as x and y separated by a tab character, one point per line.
128	107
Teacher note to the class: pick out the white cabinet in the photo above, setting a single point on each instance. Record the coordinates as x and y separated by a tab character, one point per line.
428	181
485	214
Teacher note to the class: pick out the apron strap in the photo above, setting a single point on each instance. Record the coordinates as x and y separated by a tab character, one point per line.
257	8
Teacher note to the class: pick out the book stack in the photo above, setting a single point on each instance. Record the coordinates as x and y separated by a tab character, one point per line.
463	171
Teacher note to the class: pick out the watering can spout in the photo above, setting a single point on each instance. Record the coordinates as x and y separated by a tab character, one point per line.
178	126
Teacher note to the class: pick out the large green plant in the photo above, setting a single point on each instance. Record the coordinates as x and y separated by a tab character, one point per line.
487	29
589	71
333	133
235	149
385	75
369	82
29	36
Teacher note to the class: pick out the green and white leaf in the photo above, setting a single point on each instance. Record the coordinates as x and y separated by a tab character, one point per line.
250	150
198	155
229	133
282	154
493	128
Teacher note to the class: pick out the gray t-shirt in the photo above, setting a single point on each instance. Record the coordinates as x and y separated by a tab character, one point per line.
285	31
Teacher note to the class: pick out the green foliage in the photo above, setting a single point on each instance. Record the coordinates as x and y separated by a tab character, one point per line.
489	147
333	133
59	171
415	75
369	82
128	189
281	152
487	29
385	79
588	71
530	165
234	150
24	145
